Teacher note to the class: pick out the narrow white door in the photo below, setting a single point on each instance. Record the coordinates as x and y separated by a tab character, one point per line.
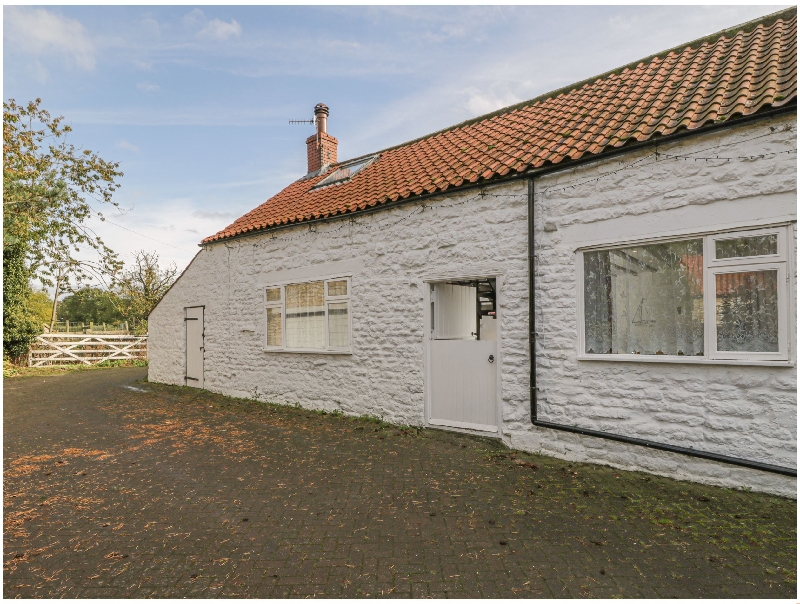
194	346
463	372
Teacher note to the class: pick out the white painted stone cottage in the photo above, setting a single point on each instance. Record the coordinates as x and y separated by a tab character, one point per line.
651	210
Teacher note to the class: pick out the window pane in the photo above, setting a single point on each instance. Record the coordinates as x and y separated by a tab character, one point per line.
747	311
337	288
305	315
274	327
645	299
337	325
274	294
740	247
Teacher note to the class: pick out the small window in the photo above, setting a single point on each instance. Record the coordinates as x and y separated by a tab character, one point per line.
741	247
747	305
747	311
337	288
338	322
721	297
308	317
274	327
345	172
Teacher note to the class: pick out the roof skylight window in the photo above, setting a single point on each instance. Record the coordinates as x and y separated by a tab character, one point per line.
345	172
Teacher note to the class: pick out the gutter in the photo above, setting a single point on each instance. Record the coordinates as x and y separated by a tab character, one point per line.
737	461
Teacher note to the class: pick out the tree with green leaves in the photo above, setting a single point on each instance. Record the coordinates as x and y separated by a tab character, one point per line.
142	286
61	268
20	323
91	305
50	189
40	304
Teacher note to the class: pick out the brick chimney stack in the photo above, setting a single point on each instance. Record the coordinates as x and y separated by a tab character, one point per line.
321	147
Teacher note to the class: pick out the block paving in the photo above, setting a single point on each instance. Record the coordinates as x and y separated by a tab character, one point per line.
116	487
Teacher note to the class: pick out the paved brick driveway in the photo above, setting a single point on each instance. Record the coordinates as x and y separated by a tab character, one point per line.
117	488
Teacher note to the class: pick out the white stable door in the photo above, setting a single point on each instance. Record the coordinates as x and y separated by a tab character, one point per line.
194	346
463	372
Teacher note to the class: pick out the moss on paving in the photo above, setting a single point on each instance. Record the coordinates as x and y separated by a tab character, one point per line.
734	524
179	492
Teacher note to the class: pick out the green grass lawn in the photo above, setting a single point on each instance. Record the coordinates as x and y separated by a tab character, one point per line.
10	370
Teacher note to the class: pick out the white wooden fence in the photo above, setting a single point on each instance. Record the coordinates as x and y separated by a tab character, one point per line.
66	348
120	328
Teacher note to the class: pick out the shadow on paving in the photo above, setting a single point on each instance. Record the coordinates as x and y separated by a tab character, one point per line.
115	487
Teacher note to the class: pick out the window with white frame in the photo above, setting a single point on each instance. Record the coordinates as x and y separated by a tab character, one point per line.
721	296
309	316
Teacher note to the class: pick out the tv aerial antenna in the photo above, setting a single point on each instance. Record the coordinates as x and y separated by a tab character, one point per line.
311	121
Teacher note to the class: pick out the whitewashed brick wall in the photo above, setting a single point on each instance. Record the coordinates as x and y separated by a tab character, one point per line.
740	411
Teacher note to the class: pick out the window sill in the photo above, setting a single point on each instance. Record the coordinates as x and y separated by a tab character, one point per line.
306	351
636	358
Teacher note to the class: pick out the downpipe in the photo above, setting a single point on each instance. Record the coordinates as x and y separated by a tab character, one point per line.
736	461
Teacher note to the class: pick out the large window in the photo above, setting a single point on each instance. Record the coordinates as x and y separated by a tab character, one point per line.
718	297
311	316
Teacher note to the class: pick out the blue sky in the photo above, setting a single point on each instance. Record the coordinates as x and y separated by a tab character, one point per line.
194	102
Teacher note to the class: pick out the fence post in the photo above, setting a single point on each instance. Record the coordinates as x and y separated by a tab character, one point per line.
66	321
91	326
126	327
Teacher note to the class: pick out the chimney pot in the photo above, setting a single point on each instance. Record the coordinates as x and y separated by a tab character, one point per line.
321	147
321	117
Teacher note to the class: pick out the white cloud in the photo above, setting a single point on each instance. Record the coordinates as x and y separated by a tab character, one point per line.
479	102
424	111
188	115
194	18
621	23
343	44
151	26
213	215
39	32
147	87
215	29
165	231
39	72
143	65
454	30
220	30
123	144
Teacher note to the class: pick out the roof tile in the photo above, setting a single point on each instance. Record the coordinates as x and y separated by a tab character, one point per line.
735	73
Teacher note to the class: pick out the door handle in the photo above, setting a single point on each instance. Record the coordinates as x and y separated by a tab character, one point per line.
491	358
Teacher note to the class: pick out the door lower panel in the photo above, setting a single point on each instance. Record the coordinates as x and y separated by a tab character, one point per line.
463	384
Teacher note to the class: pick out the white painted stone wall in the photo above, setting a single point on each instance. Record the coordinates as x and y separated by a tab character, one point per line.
740	411
388	263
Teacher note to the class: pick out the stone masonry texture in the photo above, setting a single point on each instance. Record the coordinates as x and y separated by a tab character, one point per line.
742	411
736	410
115	487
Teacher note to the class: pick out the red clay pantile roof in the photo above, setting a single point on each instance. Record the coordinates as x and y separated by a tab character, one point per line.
731	74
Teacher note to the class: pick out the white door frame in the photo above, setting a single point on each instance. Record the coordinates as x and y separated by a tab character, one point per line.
426	305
